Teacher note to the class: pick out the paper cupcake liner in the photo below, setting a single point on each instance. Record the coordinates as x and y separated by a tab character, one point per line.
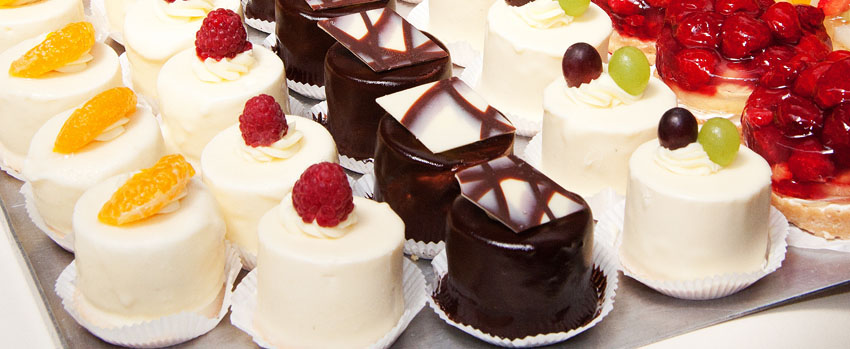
165	331
533	153
256	23
319	112
712	287
11	163
66	241
127	80
307	90
316	112
270	41
360	166
364	187
248	259
100	21
424	250
604	259
462	52
799	238
526	125
413	283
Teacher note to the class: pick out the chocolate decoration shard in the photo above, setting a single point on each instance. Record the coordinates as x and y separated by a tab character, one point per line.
445	115
382	39
317	5
515	194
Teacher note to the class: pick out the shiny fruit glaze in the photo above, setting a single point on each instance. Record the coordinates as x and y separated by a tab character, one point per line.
641	19
802	128
705	43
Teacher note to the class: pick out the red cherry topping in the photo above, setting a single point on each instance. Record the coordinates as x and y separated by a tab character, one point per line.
836	56
696	67
834	86
810	162
782	19
728	7
813	47
678	9
626	7
768	142
805	84
798	117
836	133
323	194
743	35
782	74
700	29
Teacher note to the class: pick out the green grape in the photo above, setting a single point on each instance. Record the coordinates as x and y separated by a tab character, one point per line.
574	8
719	137
630	70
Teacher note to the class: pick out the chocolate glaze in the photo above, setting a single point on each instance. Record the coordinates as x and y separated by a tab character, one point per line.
260	9
516	285
420	185
352	87
302	44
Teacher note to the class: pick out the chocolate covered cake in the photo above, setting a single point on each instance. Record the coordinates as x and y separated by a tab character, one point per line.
359	69
301	44
260	9
433	131
519	251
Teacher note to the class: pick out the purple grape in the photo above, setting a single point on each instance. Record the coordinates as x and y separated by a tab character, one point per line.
677	128
581	64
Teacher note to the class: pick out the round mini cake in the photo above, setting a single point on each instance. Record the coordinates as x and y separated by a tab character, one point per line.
201	97
415	167
249	180
804	134
25	19
115	12
455	21
26	103
688	217
352	86
333	281
131	141
156	30
591	128
636	24
522	55
262	10
713	57
301	44
168	262
535	245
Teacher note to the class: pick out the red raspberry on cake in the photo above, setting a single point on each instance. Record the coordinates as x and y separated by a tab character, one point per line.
837	22
636	23
712	53
262	121
800	123
221	36
323	194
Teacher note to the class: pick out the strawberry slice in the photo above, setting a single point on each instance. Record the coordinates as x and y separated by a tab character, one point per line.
834	7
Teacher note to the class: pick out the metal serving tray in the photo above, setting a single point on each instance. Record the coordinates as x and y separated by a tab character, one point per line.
640	316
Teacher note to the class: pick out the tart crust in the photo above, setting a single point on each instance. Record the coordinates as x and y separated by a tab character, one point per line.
828	221
730	98
647	46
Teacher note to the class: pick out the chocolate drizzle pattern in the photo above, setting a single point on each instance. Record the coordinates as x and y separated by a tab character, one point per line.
446	115
318	5
514	193
382	39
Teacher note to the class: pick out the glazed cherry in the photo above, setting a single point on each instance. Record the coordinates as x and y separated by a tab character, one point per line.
836	133
728	7
626	7
782	74
677	128
782	19
807	80
696	67
798	117
699	30
834	86
679	9
743	35
774	55
810	162
813	47
581	64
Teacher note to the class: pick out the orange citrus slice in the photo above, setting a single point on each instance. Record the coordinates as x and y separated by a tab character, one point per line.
148	191
93	118
57	50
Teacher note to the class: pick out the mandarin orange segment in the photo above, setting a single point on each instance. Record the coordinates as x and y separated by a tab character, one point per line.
57	50
4	3
148	191
90	120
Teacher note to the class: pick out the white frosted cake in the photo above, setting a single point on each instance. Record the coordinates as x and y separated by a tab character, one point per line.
155	30
58	180
248	181
115	11
161	265
686	221
523	51
331	287
589	132
24	19
27	103
454	21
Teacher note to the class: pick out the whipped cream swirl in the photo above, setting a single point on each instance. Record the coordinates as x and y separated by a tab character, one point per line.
602	92
543	14
184	10
226	69
293	222
113	131
691	160
77	65
174	205
284	148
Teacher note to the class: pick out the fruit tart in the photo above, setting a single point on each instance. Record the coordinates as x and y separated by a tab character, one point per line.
837	22
636	23
798	119
712	54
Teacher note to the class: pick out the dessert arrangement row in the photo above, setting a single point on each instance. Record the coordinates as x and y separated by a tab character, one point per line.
162	189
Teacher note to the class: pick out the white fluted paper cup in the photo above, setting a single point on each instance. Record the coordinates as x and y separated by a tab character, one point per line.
64	240
256	23
799	238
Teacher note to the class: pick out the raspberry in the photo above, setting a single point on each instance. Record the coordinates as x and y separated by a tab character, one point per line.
221	36
810	162
262	121
700	30
782	19
743	35
322	193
